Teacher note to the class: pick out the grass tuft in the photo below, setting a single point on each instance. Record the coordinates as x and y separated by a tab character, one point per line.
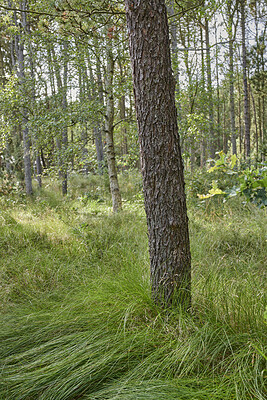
77	319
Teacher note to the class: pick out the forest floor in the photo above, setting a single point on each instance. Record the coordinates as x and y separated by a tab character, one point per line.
77	320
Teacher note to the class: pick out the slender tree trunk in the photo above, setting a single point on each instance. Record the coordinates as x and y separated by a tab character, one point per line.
162	167
109	122
256	123
19	47
232	98
98	140
175	60
225	144
241	129
52	58
218	130
83	81
35	144
65	129
100	128
264	139
2	68
209	87
203	144
245	81
259	122
122	109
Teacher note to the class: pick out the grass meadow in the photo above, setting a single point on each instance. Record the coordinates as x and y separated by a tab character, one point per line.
77	320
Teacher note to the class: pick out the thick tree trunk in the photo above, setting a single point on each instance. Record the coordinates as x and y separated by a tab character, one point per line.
109	122
162	166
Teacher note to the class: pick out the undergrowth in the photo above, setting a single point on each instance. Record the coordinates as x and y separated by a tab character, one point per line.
77	319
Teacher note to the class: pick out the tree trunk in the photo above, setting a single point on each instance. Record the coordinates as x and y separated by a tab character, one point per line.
97	126
65	129
162	167
232	98
19	47
203	144
256	123
218	122
109	122
36	149
175	60
245	81
83	79
209	89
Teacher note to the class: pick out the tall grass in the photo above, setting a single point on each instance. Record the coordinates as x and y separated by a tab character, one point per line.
77	320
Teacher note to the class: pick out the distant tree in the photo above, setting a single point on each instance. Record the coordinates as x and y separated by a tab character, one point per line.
19	50
245	78
162	166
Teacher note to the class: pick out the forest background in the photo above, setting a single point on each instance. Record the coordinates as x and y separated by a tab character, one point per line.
77	319
66	86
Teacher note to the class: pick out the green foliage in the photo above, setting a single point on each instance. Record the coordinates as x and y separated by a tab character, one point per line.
251	182
9	186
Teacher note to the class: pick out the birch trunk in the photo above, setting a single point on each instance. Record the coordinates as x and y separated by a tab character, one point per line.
245	81
19	48
109	122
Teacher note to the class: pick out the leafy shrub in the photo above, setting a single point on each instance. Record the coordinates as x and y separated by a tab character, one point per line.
250	182
9	186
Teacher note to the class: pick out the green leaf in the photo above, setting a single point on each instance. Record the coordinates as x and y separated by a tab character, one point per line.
233	160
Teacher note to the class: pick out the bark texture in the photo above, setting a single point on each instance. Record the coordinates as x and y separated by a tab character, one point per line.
162	168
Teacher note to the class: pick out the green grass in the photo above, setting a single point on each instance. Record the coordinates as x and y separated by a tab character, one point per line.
77	320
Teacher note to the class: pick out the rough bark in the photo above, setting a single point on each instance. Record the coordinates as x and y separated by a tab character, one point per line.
162	167
109	128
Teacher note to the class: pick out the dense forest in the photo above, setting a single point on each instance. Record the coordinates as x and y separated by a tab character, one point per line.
133	194
66	87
